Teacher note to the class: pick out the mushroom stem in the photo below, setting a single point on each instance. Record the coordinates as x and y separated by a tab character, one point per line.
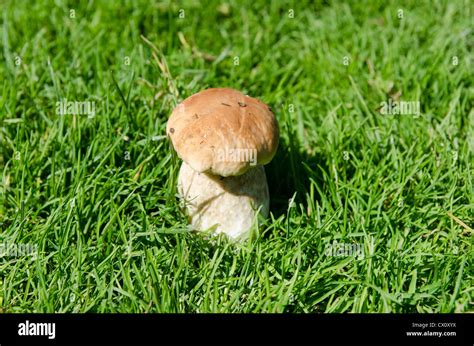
225	204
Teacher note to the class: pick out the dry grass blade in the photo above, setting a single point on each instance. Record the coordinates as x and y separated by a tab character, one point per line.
163	66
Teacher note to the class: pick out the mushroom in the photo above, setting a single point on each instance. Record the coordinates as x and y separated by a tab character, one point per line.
224	138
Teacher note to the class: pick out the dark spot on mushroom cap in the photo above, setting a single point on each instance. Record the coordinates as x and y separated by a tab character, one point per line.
172	130
225	104
196	116
241	104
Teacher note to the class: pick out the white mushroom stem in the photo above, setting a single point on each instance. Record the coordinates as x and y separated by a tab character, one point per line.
225	205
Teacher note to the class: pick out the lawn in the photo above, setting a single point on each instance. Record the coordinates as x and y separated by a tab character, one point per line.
371	211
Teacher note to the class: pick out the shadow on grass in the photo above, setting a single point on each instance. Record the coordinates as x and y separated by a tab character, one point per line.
290	172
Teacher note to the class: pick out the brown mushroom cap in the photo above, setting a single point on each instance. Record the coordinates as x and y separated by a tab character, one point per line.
223	132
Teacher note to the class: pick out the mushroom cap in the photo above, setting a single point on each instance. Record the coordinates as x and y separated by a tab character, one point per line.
221	131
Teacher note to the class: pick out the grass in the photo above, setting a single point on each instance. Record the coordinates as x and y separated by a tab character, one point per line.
96	195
